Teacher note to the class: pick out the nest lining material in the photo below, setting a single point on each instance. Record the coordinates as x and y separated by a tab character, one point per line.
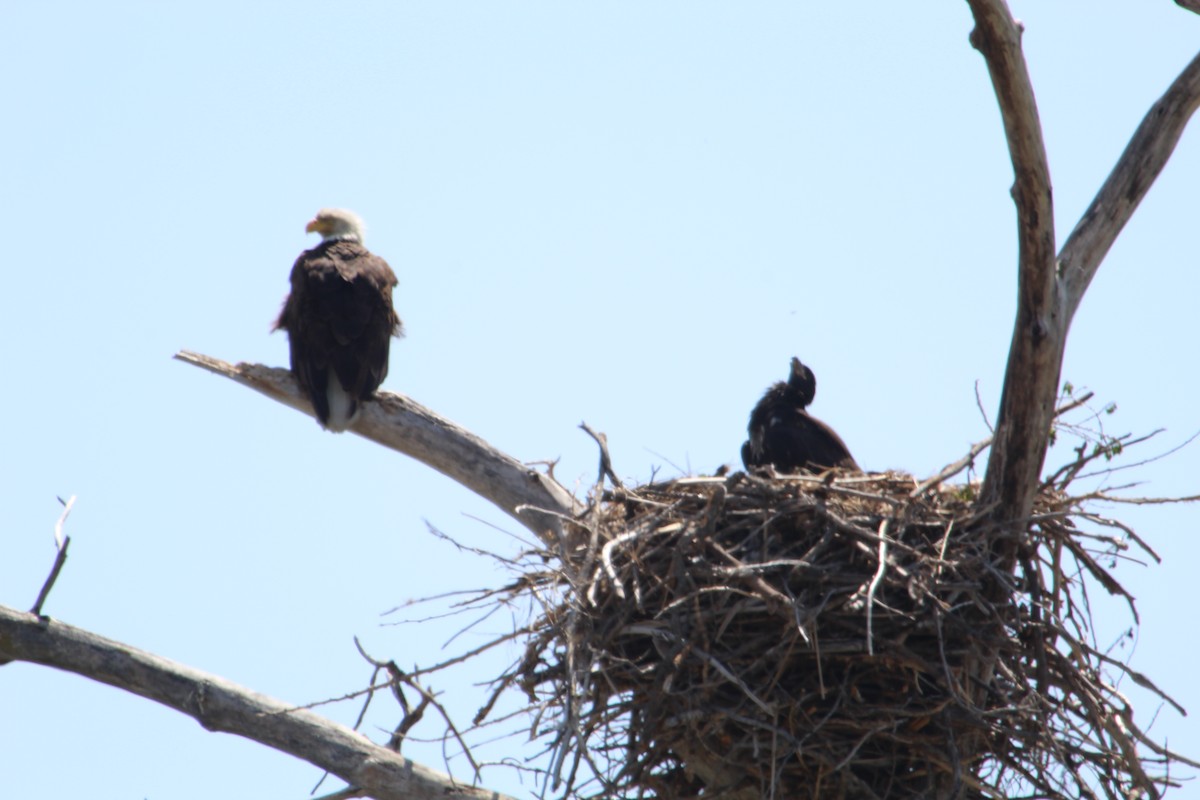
849	636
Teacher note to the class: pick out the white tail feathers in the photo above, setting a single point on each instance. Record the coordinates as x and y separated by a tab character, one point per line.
342	407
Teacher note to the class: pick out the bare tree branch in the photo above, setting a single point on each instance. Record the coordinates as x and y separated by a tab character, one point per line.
1039	336
1050	289
220	705
1135	172
399	423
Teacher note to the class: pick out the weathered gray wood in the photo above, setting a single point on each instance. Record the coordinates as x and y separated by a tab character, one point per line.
533	498
1050	288
1137	168
220	705
1039	335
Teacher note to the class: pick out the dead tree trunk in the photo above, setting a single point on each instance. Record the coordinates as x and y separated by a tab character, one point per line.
1050	288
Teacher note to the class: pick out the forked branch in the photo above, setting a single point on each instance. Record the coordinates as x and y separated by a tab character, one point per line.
1049	288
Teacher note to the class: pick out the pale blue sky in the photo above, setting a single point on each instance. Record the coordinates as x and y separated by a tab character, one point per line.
626	213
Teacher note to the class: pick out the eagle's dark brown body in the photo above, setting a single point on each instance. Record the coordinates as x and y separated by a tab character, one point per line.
783	434
340	321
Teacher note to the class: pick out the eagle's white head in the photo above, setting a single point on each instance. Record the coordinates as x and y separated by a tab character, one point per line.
337	224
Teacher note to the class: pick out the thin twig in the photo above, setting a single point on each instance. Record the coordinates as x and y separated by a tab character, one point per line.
950	470
982	411
62	542
884	527
411	718
606	468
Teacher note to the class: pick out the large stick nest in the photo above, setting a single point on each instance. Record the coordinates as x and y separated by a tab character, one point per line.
848	636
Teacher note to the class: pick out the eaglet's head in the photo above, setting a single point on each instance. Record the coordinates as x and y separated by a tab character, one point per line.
802	381
337	223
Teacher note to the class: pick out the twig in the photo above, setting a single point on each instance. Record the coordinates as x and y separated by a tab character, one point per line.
950	470
467	656
606	559
982	411
366	691
1144	461
734	679
410	716
1074	404
606	467
369	694
1073	471
1145	501
884	528
62	542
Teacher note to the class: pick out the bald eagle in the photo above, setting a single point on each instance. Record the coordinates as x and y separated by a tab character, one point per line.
784	435
339	319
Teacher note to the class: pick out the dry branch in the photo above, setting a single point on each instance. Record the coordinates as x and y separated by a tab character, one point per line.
1049	288
220	705
62	542
1131	178
534	499
1039	335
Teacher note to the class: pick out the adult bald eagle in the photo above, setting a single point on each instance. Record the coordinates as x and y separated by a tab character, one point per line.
339	319
784	435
